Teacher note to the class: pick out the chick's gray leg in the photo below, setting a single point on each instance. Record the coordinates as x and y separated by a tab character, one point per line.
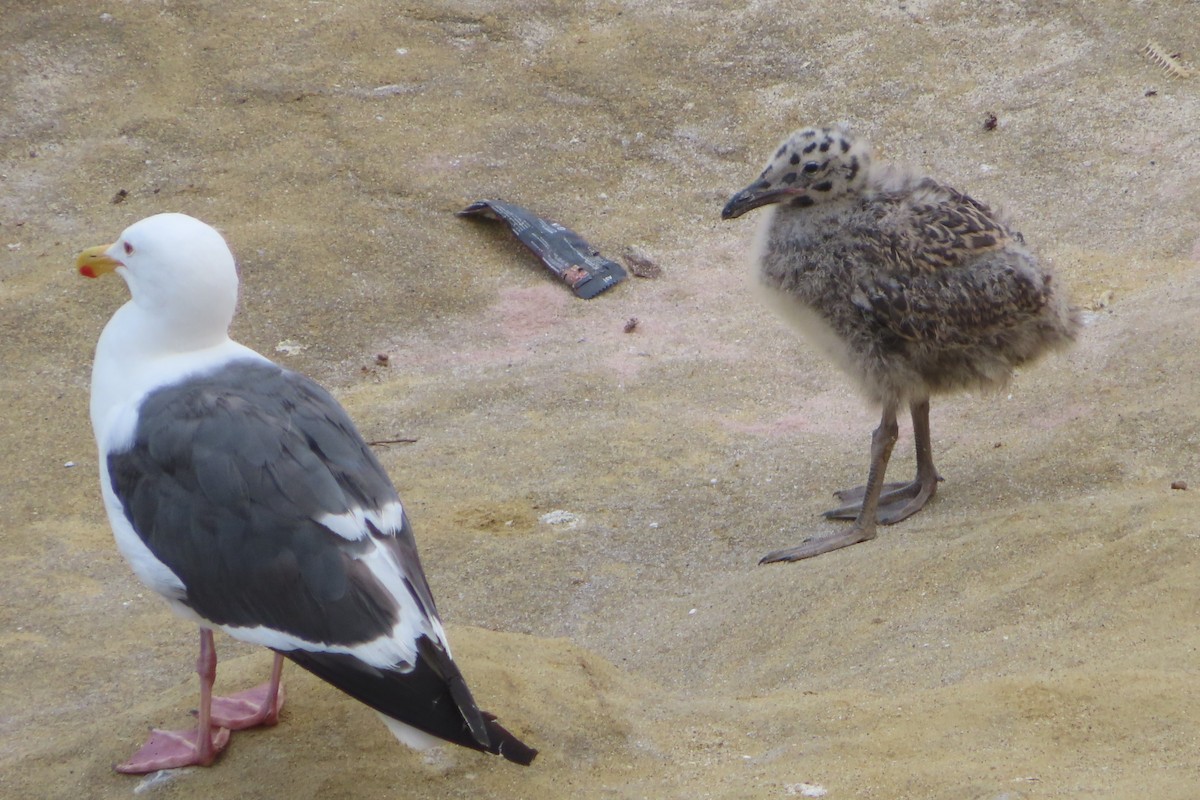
863	529
899	501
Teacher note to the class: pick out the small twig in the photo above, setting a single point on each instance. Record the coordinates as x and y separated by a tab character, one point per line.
378	442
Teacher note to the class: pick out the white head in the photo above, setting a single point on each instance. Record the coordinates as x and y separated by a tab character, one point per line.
813	165
180	273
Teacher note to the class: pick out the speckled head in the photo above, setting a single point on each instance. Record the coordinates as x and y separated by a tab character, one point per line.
813	165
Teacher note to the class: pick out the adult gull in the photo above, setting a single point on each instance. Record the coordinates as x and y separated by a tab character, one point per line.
243	494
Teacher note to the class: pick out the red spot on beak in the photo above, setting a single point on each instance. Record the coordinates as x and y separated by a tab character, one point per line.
87	271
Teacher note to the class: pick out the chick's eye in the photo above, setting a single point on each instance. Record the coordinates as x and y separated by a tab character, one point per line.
128	249
808	169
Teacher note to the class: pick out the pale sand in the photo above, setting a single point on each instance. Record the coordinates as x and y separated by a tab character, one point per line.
1033	633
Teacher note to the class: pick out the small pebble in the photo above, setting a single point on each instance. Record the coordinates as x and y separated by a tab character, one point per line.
158	779
1103	300
382	359
640	263
631	324
1180	485
559	517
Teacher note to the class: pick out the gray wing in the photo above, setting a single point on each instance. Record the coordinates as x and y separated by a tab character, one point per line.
225	482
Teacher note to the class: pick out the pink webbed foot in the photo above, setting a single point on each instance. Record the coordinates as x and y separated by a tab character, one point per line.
173	749
249	709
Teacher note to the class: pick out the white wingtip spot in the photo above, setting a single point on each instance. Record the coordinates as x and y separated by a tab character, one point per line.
352	525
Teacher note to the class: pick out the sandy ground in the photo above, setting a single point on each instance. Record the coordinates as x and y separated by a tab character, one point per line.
1032	634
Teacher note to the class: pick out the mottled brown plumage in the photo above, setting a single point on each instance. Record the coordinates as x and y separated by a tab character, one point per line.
912	287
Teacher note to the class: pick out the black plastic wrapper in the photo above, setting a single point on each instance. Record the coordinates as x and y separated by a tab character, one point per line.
561	249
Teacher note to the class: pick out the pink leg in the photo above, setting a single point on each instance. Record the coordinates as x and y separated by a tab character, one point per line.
253	707
199	747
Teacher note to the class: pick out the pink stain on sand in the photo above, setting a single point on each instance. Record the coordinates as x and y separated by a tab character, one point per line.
523	315
511	328
829	413
506	332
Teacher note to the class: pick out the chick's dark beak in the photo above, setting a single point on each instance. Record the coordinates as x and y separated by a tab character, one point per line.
759	193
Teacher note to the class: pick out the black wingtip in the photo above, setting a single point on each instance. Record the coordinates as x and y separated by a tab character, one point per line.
431	697
505	744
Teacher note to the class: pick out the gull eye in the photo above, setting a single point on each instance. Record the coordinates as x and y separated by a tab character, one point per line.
128	249
811	167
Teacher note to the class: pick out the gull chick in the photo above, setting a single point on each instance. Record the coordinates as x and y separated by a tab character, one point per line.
912	287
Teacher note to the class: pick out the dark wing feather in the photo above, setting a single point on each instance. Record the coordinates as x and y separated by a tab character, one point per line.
224	482
427	697
932	227
955	273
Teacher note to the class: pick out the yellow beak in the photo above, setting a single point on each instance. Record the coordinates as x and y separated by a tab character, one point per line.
95	261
